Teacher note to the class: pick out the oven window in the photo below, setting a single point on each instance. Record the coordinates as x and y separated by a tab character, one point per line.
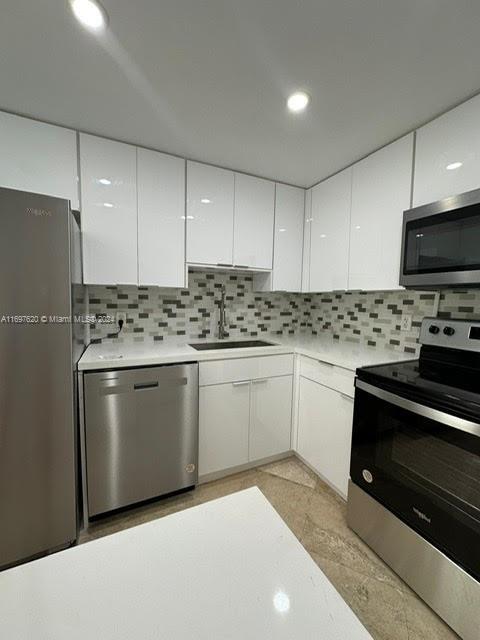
434	459
427	456
443	242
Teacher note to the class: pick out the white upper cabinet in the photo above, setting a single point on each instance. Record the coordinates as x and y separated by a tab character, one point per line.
230	218
307	237
38	157
161	219
381	189
287	253
331	201
210	193
109	211
447	154
254	220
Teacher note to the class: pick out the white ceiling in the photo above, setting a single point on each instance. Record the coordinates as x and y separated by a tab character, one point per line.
208	79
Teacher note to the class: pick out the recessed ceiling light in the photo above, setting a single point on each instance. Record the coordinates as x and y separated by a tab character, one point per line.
109	205
282	230
205	201
90	13
104	181
454	165
298	101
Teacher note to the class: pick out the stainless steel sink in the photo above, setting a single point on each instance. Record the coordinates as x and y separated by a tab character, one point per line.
233	344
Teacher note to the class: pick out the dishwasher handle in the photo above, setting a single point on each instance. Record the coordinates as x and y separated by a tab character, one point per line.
154	384
139	386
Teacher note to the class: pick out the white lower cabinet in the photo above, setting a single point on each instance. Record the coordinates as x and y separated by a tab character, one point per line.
270	417
245	411
324	438
224	421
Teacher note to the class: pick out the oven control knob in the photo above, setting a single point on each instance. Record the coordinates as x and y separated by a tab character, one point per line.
434	329
449	331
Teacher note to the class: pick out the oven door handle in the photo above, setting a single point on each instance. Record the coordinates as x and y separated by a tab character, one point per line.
427	412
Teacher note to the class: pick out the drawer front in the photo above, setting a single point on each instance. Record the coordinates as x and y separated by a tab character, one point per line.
328	374
222	371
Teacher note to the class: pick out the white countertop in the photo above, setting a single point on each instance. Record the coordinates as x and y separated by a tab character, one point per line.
349	355
230	568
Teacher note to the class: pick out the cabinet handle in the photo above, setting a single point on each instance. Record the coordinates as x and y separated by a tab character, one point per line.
328	364
241	384
346	397
260	381
242	266
224	264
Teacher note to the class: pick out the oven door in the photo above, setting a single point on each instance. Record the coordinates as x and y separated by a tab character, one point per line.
441	243
422	464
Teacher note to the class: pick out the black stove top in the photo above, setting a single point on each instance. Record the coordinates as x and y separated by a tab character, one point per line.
447	374
443	377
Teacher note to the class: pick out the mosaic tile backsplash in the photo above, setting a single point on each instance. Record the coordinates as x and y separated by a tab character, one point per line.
154	314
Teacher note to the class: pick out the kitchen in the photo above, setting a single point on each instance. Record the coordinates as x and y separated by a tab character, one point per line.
268	379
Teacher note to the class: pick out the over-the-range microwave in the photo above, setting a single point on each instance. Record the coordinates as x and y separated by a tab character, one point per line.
441	243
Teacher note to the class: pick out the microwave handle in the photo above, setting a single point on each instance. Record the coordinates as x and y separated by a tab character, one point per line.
427	412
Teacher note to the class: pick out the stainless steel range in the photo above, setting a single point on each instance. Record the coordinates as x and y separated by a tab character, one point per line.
414	494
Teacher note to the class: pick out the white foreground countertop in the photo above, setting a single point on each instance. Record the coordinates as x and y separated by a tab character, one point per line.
230	568
349	355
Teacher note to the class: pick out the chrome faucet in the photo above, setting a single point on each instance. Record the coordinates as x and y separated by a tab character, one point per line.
222	318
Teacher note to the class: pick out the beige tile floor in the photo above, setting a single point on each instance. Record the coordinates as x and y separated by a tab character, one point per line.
317	516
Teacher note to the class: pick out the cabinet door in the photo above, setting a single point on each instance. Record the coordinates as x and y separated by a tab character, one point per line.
447	154
109	211
38	157
161	219
381	189
254	217
288	242
329	233
270	417
224	420
209	214
325	432
307	237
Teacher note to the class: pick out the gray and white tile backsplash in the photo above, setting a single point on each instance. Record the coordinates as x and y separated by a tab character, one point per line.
154	314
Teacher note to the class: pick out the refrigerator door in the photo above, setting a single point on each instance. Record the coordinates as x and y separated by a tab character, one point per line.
37	438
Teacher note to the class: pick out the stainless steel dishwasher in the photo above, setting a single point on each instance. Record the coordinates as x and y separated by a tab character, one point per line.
141	434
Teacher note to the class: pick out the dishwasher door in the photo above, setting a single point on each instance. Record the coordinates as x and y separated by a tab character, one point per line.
141	433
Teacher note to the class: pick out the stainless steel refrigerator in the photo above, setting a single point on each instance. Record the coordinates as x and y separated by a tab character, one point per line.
40	292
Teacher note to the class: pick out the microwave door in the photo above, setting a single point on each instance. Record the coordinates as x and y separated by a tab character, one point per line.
441	243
